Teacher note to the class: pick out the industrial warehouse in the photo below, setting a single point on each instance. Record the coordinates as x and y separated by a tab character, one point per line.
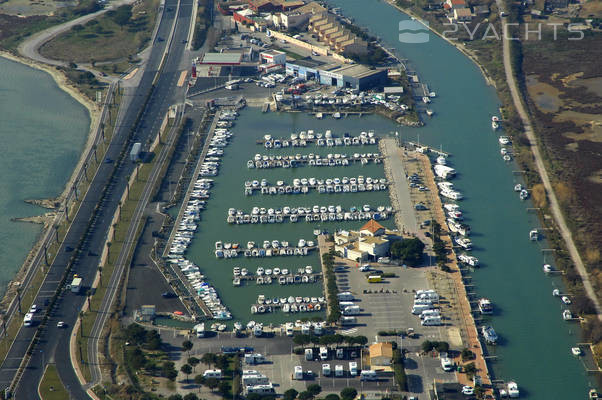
354	76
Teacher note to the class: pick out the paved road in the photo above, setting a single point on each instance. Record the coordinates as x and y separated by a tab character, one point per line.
54	343
543	173
401	191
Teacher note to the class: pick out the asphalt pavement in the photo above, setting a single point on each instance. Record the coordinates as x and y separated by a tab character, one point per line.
53	346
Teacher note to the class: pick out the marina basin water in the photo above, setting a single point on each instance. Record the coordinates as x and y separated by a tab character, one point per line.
228	192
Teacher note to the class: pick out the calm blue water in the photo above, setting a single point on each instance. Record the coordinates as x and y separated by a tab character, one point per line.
536	343
42	131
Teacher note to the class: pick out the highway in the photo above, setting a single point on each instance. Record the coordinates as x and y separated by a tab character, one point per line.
53	346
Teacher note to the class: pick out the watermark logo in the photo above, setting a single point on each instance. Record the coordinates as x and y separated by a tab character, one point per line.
412	31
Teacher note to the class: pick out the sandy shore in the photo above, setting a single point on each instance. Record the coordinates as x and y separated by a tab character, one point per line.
94	113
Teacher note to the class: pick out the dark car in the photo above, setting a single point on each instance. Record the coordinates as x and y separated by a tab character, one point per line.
168	295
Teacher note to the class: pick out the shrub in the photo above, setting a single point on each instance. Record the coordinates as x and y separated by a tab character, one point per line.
348	393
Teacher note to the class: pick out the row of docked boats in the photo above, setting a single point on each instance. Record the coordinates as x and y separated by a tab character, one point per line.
289	304
309	214
270	249
329	185
327	139
523	193
200	193
313	160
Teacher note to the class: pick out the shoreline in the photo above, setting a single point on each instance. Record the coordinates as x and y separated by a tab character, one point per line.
94	114
468	53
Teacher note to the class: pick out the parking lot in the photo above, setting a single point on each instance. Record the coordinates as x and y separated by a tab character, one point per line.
280	369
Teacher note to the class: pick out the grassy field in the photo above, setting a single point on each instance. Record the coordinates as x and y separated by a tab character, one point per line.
117	35
51	387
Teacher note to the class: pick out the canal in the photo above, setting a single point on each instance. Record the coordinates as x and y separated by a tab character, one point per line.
535	348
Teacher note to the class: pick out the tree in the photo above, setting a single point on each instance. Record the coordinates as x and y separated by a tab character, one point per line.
187	346
186	369
301	340
408	250
314	389
332	396
175	397
211	383
290	394
348	393
305	396
191	396
122	15
77	28
199	380
193	361
169	371
223	387
209	359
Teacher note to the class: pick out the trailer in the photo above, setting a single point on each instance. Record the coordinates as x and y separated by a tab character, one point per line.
135	152
76	284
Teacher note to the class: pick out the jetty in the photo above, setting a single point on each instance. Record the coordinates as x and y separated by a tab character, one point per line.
260	252
323	186
240	217
327	139
302	160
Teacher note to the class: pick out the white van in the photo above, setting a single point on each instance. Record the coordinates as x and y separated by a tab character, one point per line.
28	319
348	320
368	375
323	353
213	373
326	369
352	368
431	321
338	370
345	296
298	373
344	304
309	354
420	308
447	364
423	301
430	313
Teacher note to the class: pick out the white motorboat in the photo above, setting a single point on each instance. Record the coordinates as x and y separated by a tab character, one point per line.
260	271
556	292
250	245
518	187
495	125
218	245
512	390
566	300
566	315
524	194
504	140
576	351
485	306
547	268
534	235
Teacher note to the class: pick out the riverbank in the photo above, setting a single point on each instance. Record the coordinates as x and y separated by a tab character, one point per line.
467	52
